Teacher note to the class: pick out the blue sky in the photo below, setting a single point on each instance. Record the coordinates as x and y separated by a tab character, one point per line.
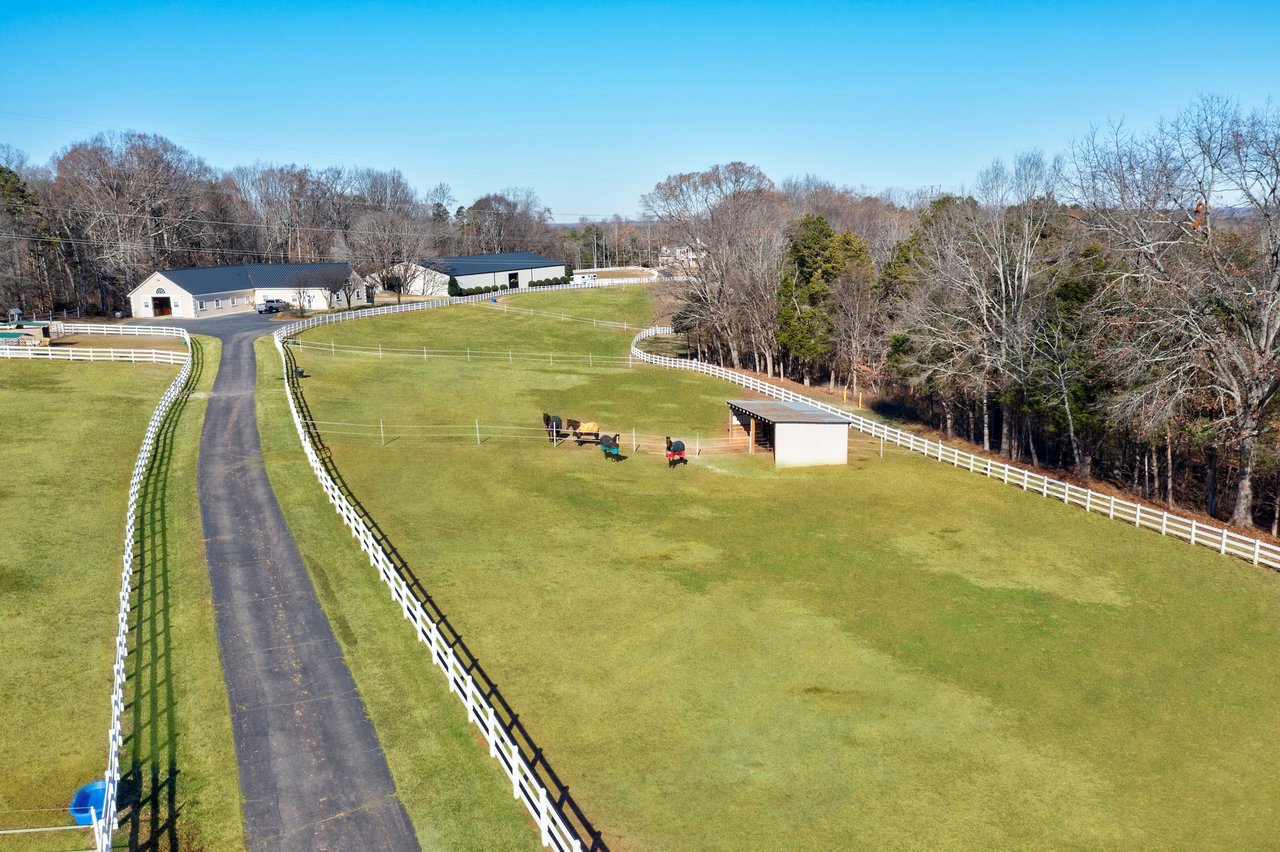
592	104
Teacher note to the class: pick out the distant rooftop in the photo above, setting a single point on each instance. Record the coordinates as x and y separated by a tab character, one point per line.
477	264
774	411
205	280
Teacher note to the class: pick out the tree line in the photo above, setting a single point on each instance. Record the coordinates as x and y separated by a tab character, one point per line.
106	212
1114	311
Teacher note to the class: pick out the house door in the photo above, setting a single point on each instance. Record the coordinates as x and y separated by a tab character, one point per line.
513	280
161	306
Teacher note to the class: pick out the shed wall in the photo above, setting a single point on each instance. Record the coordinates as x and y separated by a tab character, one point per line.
808	444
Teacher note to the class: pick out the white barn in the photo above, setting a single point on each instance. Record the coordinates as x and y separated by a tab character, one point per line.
217	290
430	276
801	435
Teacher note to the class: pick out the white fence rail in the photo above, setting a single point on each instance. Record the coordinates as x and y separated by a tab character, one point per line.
104	823
77	353
1204	535
47	353
125	330
104	826
561	824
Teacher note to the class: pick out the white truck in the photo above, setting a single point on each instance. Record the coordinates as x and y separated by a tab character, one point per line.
270	306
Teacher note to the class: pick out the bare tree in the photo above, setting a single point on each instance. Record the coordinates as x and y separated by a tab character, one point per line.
389	234
728	220
131	203
1192	207
987	272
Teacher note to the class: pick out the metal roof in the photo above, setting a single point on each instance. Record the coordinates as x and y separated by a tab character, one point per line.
208	280
477	264
775	411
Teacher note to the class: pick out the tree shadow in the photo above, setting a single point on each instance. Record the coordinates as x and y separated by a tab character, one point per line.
148	795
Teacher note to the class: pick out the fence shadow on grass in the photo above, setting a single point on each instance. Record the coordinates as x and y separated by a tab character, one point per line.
563	802
149	797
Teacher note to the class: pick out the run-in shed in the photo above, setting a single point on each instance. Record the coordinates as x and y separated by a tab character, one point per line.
800	434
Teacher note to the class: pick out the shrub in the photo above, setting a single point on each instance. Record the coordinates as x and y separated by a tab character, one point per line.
454	289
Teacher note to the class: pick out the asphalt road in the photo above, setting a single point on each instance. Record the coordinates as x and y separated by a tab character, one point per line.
312	773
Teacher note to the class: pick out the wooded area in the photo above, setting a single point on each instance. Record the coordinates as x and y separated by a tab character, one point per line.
1114	312
105	213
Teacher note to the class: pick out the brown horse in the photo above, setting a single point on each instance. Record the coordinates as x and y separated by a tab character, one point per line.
582	432
675	453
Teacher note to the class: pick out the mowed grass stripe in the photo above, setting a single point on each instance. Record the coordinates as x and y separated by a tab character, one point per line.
890	653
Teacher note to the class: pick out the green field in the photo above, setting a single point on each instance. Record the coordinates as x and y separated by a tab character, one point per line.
72	433
888	654
454	793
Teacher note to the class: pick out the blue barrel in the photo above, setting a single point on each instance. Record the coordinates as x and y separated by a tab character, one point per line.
88	801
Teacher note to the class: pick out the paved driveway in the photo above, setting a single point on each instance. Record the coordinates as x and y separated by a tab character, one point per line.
312	773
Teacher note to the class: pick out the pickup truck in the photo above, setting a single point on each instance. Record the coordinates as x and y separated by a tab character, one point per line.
270	306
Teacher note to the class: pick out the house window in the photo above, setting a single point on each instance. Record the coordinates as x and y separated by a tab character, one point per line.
200	305
233	301
217	303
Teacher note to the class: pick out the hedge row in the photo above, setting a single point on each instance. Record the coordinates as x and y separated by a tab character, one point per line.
456	290
551	282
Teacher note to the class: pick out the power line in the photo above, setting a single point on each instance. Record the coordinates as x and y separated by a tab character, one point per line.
317	257
200	221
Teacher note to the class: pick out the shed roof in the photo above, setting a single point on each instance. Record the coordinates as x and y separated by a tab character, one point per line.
477	264
208	280
776	411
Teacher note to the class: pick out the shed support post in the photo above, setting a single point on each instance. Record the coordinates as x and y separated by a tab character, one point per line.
751	448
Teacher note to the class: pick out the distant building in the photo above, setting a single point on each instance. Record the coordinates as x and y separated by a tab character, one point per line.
430	276
683	259
217	290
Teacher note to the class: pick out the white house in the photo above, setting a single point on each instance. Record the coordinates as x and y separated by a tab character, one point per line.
430	276
681	258
217	290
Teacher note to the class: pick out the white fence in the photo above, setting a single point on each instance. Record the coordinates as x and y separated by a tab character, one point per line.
1205	535
77	353
104	823
125	330
48	353
561	824
104	826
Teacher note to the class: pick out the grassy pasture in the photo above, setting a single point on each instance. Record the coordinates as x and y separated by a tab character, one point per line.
893	653
71	435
